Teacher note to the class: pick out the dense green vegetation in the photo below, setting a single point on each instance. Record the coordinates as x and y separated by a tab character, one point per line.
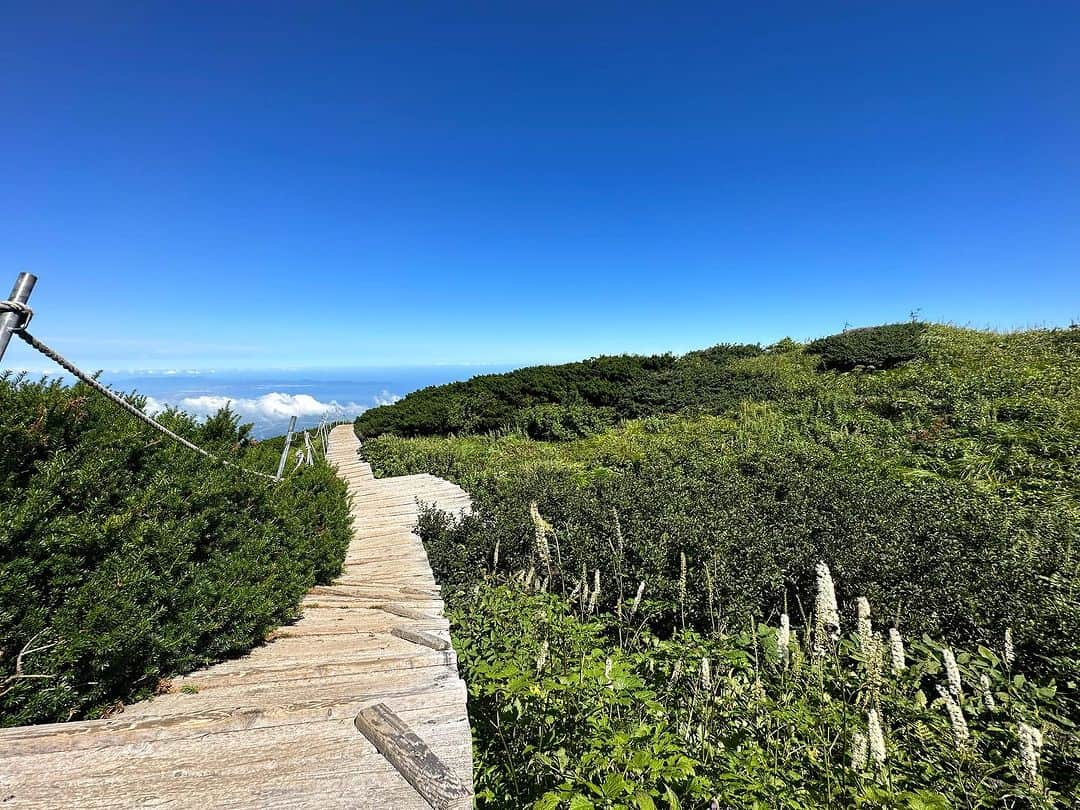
574	709
566	401
939	481
870	347
124	558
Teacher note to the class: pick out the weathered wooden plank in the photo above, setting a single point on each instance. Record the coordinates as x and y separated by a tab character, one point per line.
412	757
343	624
294	671
427	703
373	496
307	765
361	590
339	688
406	612
364	588
376	488
421	637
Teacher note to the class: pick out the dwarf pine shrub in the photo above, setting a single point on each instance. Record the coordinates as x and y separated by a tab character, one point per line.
873	347
125	558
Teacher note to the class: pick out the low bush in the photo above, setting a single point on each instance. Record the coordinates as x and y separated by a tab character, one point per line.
125	558
560	423
870	346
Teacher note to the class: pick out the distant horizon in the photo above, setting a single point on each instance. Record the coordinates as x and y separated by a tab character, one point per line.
504	365
267	398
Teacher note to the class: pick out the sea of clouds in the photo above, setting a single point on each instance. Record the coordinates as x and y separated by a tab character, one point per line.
271	412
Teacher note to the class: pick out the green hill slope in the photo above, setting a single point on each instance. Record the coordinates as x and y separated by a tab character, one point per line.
936	470
555	402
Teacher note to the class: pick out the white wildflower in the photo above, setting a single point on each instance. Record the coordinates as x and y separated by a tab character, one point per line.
1010	650
826	614
783	639
495	557
865	629
541	528
682	580
956	717
896	650
952	672
858	751
595	594
706	675
607	669
987	693
574	592
637	599
877	737
1031	741
541	658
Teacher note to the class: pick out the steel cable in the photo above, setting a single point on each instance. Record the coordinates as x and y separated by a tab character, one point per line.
116	399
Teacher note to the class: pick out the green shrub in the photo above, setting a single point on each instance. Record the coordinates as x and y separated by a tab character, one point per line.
130	559
571	708
871	346
560	423
592	391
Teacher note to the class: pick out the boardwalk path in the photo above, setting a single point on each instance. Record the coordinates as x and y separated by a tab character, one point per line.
291	724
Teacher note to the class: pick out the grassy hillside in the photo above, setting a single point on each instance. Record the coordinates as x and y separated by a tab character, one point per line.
934	469
125	558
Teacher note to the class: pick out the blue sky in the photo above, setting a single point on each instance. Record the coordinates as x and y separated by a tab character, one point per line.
314	184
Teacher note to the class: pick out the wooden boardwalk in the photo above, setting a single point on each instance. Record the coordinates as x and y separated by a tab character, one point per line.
351	706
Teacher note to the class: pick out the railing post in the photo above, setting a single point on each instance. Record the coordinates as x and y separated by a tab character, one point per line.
20	294
285	450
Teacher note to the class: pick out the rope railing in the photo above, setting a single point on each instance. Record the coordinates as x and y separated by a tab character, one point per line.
15	314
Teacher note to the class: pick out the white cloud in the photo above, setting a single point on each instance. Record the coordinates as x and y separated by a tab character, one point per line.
384	397
273	406
270	413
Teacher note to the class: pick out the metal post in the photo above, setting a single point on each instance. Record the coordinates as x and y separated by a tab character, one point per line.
20	294
285	451
308	454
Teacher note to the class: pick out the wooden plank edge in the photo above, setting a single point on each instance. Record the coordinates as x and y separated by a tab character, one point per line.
433	780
